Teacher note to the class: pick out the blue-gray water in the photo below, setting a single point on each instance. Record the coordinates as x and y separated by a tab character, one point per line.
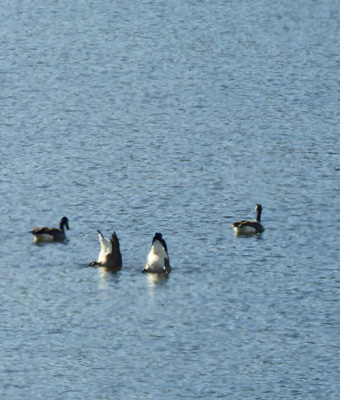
175	117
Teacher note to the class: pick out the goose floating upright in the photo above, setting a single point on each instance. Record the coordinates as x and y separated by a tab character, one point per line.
158	257
110	255
250	227
46	234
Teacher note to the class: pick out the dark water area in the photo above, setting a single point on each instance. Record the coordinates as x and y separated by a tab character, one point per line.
179	117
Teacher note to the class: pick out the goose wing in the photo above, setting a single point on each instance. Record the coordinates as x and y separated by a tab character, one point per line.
43	230
238	224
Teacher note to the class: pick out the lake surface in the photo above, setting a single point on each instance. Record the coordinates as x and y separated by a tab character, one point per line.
173	117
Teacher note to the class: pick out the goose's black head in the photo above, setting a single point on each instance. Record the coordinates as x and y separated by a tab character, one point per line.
64	222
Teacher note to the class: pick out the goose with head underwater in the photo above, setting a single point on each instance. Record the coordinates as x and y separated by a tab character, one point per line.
158	257
110	256
45	234
250	227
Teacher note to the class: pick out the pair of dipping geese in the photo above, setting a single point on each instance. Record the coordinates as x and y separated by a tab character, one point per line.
158	257
111	258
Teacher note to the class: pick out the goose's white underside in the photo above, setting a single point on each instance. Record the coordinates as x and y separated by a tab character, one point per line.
156	258
244	229
44	237
106	248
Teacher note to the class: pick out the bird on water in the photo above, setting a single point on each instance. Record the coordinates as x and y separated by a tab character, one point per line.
158	257
46	234
249	227
110	255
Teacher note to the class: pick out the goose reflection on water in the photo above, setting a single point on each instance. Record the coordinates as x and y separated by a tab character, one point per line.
107	277
157	279
156	283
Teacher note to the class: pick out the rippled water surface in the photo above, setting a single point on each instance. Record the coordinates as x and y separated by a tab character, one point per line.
176	117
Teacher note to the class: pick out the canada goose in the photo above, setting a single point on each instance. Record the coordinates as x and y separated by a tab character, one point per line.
249	227
158	258
45	234
109	256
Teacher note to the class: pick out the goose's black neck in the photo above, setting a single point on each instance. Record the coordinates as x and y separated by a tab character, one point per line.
258	213
61	226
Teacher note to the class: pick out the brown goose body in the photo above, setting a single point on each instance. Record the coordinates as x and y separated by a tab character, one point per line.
248	227
45	234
